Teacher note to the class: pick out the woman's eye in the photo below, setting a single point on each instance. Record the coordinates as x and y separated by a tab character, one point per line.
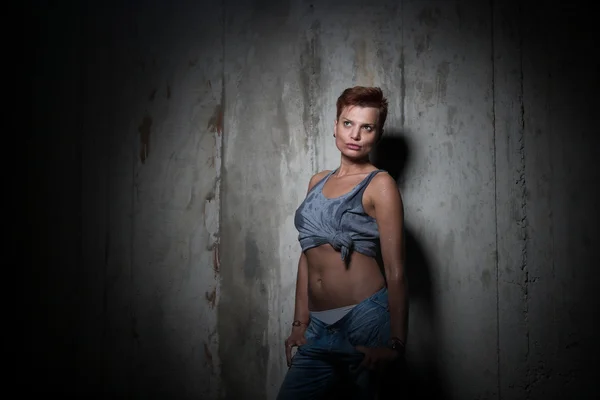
346	123
369	128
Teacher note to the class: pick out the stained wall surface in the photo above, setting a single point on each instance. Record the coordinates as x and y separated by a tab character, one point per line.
172	143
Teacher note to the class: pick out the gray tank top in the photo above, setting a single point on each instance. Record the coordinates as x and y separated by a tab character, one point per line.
341	221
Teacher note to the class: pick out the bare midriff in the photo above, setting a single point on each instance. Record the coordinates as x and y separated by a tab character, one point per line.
333	284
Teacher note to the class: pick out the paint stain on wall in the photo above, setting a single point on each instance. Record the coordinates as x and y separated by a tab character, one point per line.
211	161
152	95
211	297
425	90
441	80
454	125
215	124
281	119
209	357
245	321
364	74
452	113
486	278
209	199
429	17
210	196
310	69
216	260
144	130
422	43
168	92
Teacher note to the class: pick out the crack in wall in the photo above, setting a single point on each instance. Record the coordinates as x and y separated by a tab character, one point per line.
495	167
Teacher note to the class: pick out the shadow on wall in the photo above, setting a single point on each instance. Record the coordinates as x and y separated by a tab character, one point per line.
418	377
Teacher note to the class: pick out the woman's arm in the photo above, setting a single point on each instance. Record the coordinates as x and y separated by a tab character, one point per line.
301	313
389	214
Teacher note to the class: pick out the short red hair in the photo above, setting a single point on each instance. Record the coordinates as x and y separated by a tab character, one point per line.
364	97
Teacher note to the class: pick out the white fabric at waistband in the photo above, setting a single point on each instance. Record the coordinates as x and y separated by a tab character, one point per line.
332	316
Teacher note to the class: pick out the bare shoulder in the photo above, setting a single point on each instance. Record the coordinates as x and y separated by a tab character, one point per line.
383	188
383	180
316	178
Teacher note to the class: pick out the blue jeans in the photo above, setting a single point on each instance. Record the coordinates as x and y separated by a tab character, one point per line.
328	361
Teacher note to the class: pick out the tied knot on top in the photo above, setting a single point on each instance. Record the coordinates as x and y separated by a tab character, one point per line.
342	241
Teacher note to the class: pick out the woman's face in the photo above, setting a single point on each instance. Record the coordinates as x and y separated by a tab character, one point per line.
357	131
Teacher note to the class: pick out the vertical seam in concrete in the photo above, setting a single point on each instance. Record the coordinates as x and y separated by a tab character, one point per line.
495	164
550	63
84	35
219	189
107	209
402	70
522	183
134	338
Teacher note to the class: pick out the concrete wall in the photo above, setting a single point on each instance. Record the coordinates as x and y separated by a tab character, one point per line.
173	142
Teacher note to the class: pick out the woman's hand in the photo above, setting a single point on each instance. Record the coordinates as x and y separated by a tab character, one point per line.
377	357
296	338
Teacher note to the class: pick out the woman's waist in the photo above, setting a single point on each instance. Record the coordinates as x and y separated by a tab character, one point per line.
336	287
323	296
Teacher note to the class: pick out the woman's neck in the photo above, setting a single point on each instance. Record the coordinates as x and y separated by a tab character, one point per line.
352	167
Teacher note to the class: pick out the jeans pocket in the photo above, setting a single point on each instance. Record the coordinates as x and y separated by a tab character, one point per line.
380	299
311	333
370	327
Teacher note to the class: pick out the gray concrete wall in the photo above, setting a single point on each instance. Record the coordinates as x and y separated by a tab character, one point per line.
174	143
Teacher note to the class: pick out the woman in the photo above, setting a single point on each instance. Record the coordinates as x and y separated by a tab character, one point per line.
350	319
